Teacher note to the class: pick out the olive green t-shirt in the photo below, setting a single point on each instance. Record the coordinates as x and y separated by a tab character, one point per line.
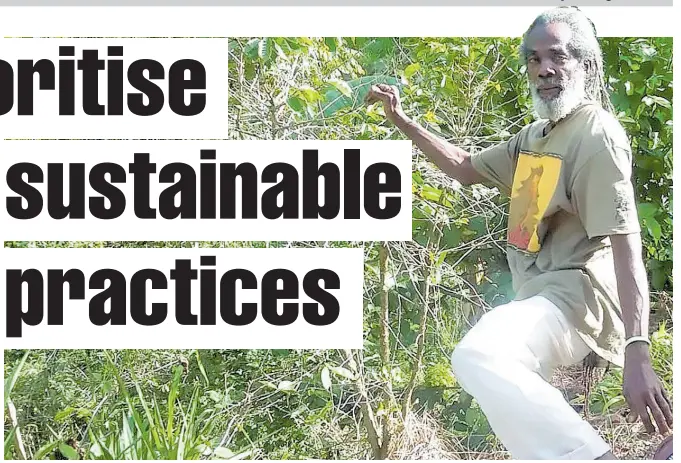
570	189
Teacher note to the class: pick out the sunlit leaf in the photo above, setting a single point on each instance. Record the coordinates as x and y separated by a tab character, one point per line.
286	386
343	372
326	379
411	70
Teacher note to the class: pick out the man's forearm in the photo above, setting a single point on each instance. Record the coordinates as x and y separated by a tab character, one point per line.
454	161
632	283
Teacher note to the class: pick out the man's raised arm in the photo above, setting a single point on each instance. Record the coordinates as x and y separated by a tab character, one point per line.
454	161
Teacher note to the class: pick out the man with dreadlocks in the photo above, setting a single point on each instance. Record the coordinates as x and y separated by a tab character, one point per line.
574	250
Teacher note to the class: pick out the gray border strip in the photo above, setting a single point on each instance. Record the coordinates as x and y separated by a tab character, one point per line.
336	3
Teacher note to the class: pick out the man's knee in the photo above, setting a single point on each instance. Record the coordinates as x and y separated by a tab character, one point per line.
467	356
484	343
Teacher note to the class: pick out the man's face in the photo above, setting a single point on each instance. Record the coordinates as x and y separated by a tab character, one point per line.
556	77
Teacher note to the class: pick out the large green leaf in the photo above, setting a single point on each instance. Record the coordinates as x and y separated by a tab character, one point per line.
335	100
68	451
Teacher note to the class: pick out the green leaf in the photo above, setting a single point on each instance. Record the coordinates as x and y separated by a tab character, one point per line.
12	379
627	119
452	236
430	193
472	416
617	400
654	228
68	451
42	452
106	387
650	99
465	400
659	279
411	70
342	87
297	104
332	43
263	48
202	369
647	210
460	427
63	414
309	94
334	100
251	48
326	379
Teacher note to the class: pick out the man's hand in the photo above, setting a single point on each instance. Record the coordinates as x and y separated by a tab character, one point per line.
454	161
644	391
390	97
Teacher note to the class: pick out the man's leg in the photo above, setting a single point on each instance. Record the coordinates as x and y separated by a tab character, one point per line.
505	361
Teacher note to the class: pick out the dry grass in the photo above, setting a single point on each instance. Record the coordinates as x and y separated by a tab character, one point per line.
423	438
628	441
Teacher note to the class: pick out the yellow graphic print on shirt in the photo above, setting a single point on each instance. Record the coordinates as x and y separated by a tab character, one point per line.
534	183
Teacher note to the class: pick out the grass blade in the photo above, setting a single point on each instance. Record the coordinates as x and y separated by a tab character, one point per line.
202	369
12	379
172	395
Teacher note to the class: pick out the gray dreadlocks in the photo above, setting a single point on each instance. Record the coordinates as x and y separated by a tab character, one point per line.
583	45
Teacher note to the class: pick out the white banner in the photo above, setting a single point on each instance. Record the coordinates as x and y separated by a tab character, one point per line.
139	88
200	298
207	190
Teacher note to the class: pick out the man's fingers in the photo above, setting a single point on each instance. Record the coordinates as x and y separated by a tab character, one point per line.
665	407
378	92
645	418
388	89
659	417
373	96
647	422
666	397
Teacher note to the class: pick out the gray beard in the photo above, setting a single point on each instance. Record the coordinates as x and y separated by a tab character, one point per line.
570	97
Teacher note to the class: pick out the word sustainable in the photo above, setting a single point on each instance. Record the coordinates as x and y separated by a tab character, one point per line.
117	292
195	195
143	75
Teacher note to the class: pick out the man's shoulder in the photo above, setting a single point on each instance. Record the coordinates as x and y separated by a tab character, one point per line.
600	129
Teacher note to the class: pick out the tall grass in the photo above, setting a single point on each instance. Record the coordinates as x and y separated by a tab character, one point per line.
134	427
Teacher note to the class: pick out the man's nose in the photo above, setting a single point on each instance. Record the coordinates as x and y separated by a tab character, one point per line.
547	69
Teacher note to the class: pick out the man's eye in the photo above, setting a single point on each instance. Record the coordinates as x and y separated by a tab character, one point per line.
533	59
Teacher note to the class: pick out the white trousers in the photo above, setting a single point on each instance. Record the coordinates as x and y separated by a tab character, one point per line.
505	362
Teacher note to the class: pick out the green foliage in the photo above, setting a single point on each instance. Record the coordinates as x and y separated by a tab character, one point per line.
286	404
640	71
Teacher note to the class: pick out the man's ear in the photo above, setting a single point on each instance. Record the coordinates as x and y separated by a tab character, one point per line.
587	65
